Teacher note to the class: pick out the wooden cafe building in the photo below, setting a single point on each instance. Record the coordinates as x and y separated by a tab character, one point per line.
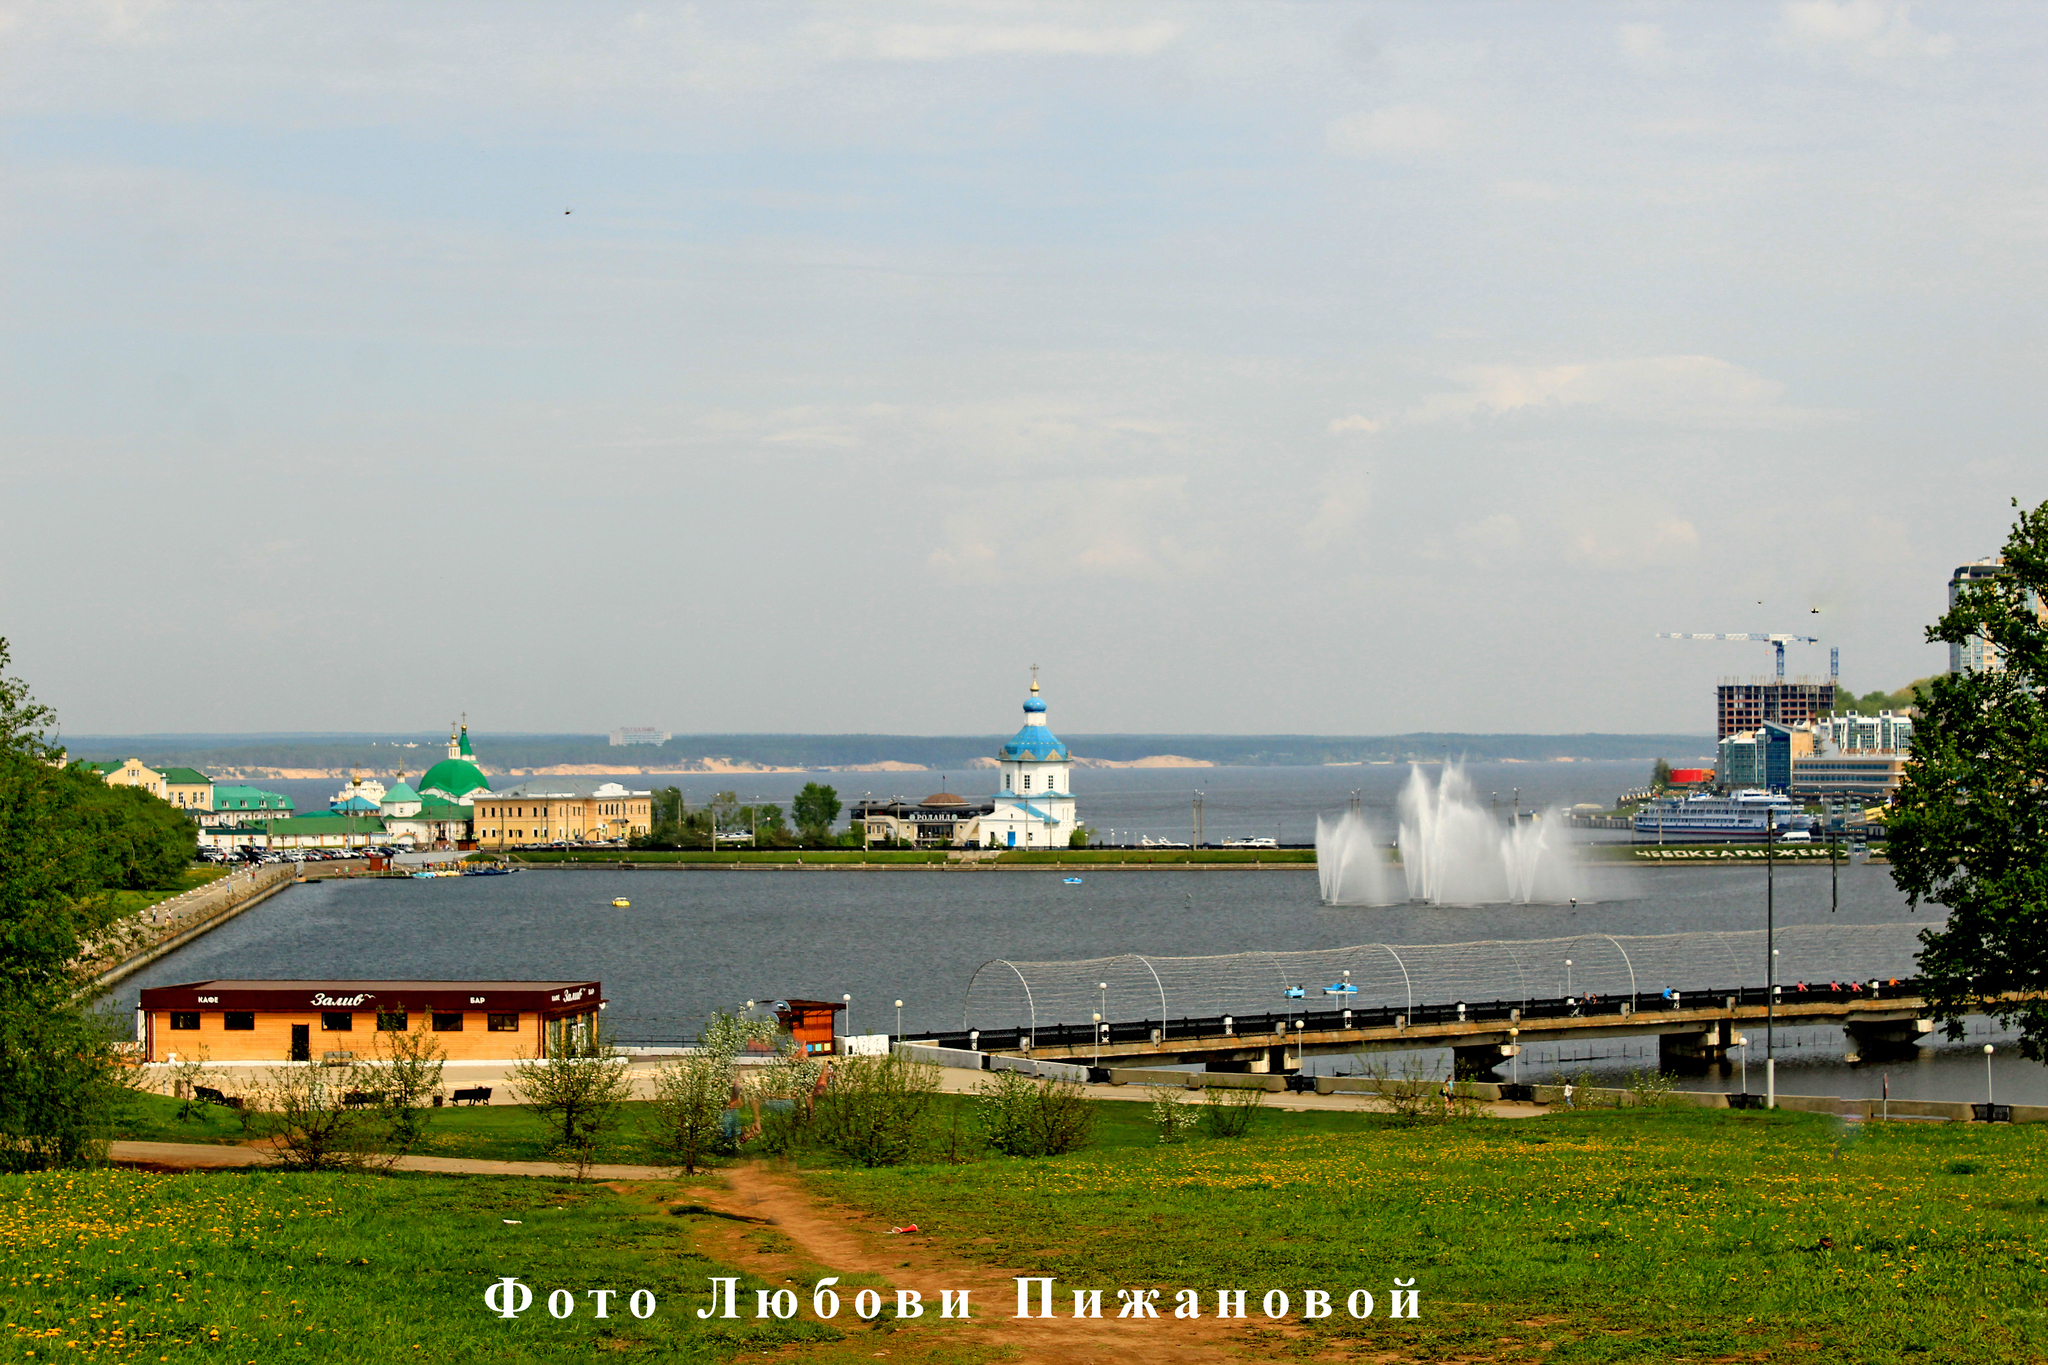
306	1021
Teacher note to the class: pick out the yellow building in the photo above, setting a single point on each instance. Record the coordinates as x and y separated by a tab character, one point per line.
553	810
188	789
132	773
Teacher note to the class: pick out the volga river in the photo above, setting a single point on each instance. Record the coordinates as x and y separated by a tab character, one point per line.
692	942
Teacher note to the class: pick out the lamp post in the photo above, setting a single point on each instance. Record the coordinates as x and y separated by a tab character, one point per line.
1098	1037
1515	1057
899	1021
1771	959
1567	978
1742	1044
1988	1097
848	999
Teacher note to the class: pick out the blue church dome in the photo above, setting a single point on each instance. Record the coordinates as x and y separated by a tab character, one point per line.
1034	743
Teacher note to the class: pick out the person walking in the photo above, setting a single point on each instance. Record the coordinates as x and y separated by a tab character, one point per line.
1446	1092
1568	1096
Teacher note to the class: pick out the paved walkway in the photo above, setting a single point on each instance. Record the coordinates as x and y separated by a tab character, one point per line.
208	1156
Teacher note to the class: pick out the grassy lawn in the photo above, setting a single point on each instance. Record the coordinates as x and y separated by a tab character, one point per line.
129	902
781	855
1082	856
261	1267
508	1132
1673	1234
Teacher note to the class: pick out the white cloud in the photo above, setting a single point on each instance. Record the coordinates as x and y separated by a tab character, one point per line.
947	42
1401	131
1345	499
1355	422
1643	47
1625	537
1679	389
1491	537
1876	30
1070	528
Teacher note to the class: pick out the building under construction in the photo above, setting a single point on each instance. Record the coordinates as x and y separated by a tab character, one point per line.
1744	704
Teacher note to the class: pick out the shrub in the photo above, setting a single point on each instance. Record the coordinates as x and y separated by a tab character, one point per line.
577	1092
405	1075
303	1113
1650	1088
1025	1115
1228	1110
877	1110
1171	1113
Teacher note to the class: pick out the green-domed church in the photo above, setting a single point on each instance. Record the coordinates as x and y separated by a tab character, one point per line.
455	778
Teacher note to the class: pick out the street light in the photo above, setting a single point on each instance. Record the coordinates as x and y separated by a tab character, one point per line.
1988	1098
848	998
899	1021
1098	1037
1771	974
1567	978
1742	1042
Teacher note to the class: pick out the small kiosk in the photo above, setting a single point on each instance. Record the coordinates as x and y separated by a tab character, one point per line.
811	1023
306	1021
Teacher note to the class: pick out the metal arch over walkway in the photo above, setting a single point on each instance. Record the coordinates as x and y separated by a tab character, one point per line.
1033	996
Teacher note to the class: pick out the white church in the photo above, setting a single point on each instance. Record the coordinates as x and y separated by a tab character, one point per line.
1034	800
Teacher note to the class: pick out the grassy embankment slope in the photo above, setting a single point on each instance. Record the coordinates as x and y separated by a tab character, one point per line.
130	902
1590	1236
1659	1235
262	1267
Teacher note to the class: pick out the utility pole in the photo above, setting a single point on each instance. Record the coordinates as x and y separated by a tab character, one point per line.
1770	959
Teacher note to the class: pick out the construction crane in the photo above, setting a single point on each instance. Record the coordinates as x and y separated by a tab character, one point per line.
1776	641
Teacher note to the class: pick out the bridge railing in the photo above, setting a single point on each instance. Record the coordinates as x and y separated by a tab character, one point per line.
1321	1018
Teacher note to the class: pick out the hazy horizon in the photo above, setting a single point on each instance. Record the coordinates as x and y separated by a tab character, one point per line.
1323	368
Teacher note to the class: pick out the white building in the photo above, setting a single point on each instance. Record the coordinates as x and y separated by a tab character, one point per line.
1889	731
1034	802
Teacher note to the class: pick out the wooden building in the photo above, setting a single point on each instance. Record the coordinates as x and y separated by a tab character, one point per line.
811	1023
303	1021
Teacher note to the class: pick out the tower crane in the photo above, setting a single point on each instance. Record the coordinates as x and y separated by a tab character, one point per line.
1776	641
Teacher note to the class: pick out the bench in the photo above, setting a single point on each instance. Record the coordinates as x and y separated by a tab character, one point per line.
476	1094
208	1095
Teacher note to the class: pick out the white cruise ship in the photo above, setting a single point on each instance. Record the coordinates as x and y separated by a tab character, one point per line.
1717	819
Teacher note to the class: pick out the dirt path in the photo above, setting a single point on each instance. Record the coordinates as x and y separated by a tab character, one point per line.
201	1156
820	1233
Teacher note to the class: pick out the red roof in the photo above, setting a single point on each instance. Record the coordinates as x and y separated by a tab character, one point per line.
547	997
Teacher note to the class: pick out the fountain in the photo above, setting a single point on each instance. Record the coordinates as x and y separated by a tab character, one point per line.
1456	853
1351	861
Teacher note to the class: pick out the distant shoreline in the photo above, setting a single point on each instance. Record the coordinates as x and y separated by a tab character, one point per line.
330	757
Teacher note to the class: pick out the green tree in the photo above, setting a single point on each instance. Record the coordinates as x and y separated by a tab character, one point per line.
58	1069
1971	829
814	810
139	841
577	1091
877	1110
1660	775
693	1095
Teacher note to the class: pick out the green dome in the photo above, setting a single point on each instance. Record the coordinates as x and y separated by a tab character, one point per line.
453	778
401	792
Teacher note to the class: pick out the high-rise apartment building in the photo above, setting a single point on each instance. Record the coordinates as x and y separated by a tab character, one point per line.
1743	704
1977	654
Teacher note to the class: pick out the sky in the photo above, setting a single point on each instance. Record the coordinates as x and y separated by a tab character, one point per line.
1318	368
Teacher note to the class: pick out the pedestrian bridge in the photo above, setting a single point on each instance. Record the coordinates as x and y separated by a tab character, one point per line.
1485	1000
